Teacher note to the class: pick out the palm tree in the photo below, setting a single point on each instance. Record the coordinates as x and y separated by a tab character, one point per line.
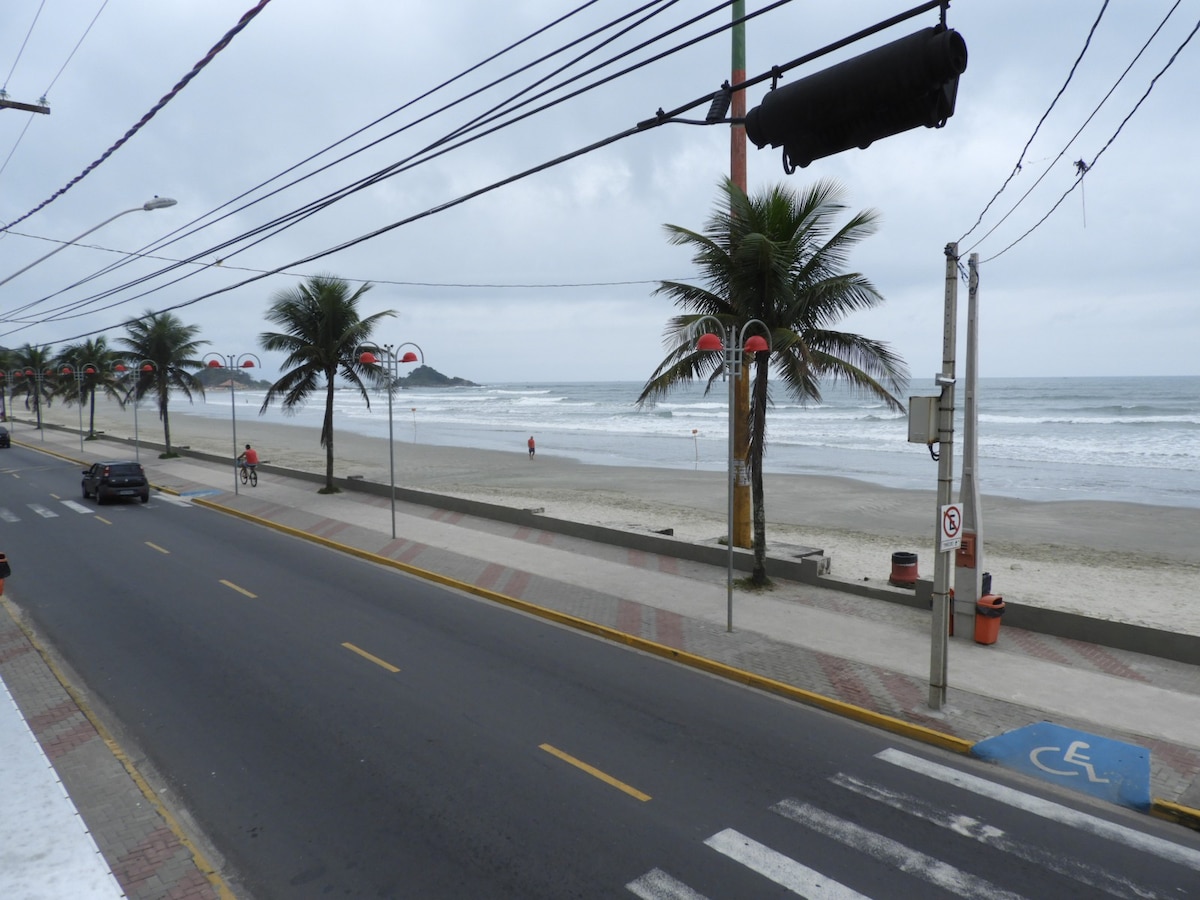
322	334
779	257
162	339
37	387
96	355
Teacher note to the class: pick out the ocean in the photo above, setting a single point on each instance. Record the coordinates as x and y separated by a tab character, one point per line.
1120	439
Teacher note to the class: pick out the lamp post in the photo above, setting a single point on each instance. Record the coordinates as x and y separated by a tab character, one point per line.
156	203
38	378
369	355
6	393
232	364
733	344
79	373
143	367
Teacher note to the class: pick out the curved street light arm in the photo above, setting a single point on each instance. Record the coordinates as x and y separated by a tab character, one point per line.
156	203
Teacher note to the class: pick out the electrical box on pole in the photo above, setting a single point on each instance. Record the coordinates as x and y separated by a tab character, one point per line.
909	83
923	419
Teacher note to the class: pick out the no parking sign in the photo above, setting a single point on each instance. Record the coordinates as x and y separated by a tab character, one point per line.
950	527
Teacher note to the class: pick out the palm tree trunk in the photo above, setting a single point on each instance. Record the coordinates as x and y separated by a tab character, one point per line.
759	428
92	414
162	414
327	432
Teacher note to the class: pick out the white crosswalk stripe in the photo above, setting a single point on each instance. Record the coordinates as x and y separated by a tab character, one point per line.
1047	809
1085	873
78	507
42	511
658	885
893	853
9	516
811	883
781	869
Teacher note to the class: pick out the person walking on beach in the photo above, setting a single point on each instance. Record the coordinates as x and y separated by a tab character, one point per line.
532	447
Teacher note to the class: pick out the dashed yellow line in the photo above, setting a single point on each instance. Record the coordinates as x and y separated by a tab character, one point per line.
102	519
162	550
240	590
594	772
375	659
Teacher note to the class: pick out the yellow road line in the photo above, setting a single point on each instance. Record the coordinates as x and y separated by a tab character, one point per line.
365	655
158	548
594	772
921	733
240	590
102	519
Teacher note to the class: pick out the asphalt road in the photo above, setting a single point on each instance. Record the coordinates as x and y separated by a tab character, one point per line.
338	729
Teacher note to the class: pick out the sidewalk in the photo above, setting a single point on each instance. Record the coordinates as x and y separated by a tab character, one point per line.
867	653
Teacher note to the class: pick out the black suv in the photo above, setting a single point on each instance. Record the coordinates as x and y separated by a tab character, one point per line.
115	480
5	439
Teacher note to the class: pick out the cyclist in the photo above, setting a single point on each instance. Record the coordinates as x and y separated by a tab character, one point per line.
249	458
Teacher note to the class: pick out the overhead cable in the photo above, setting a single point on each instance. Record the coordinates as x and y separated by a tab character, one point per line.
167	98
1025	149
1086	122
1087	167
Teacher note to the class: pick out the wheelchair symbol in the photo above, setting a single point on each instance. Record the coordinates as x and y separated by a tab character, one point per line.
1073	756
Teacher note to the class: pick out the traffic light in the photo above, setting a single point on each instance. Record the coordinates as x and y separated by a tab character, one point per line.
893	88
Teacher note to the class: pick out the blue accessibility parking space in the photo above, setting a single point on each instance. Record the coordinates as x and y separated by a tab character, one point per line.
1108	769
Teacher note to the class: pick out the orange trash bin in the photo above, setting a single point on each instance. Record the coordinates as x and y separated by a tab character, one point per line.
988	610
904	569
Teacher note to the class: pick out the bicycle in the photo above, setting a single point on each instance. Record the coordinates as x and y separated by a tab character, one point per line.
249	474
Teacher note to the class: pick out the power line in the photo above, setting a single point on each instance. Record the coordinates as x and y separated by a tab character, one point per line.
294	217
46	92
24	41
315	206
1086	167
488	285
1086	122
1017	168
167	98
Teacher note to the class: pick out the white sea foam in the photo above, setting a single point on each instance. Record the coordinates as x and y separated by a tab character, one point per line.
1134	439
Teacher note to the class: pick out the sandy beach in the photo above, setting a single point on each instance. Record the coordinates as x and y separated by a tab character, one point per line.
1120	561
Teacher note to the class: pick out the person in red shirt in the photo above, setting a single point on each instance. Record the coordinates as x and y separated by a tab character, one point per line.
249	457
532	447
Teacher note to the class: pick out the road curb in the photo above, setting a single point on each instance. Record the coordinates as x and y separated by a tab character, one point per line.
1176	812
1163	809
203	866
713	667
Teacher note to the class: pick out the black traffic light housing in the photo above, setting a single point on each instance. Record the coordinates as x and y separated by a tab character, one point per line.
902	85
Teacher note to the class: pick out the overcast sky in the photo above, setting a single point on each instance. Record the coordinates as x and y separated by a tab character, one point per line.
551	278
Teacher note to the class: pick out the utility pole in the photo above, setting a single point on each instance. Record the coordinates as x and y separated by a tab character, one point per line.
741	391
940	619
969	559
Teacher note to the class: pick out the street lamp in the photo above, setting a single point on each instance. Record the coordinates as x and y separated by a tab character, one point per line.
156	203
732	365
233	363
79	374
143	367
6	394
38	378
369	355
